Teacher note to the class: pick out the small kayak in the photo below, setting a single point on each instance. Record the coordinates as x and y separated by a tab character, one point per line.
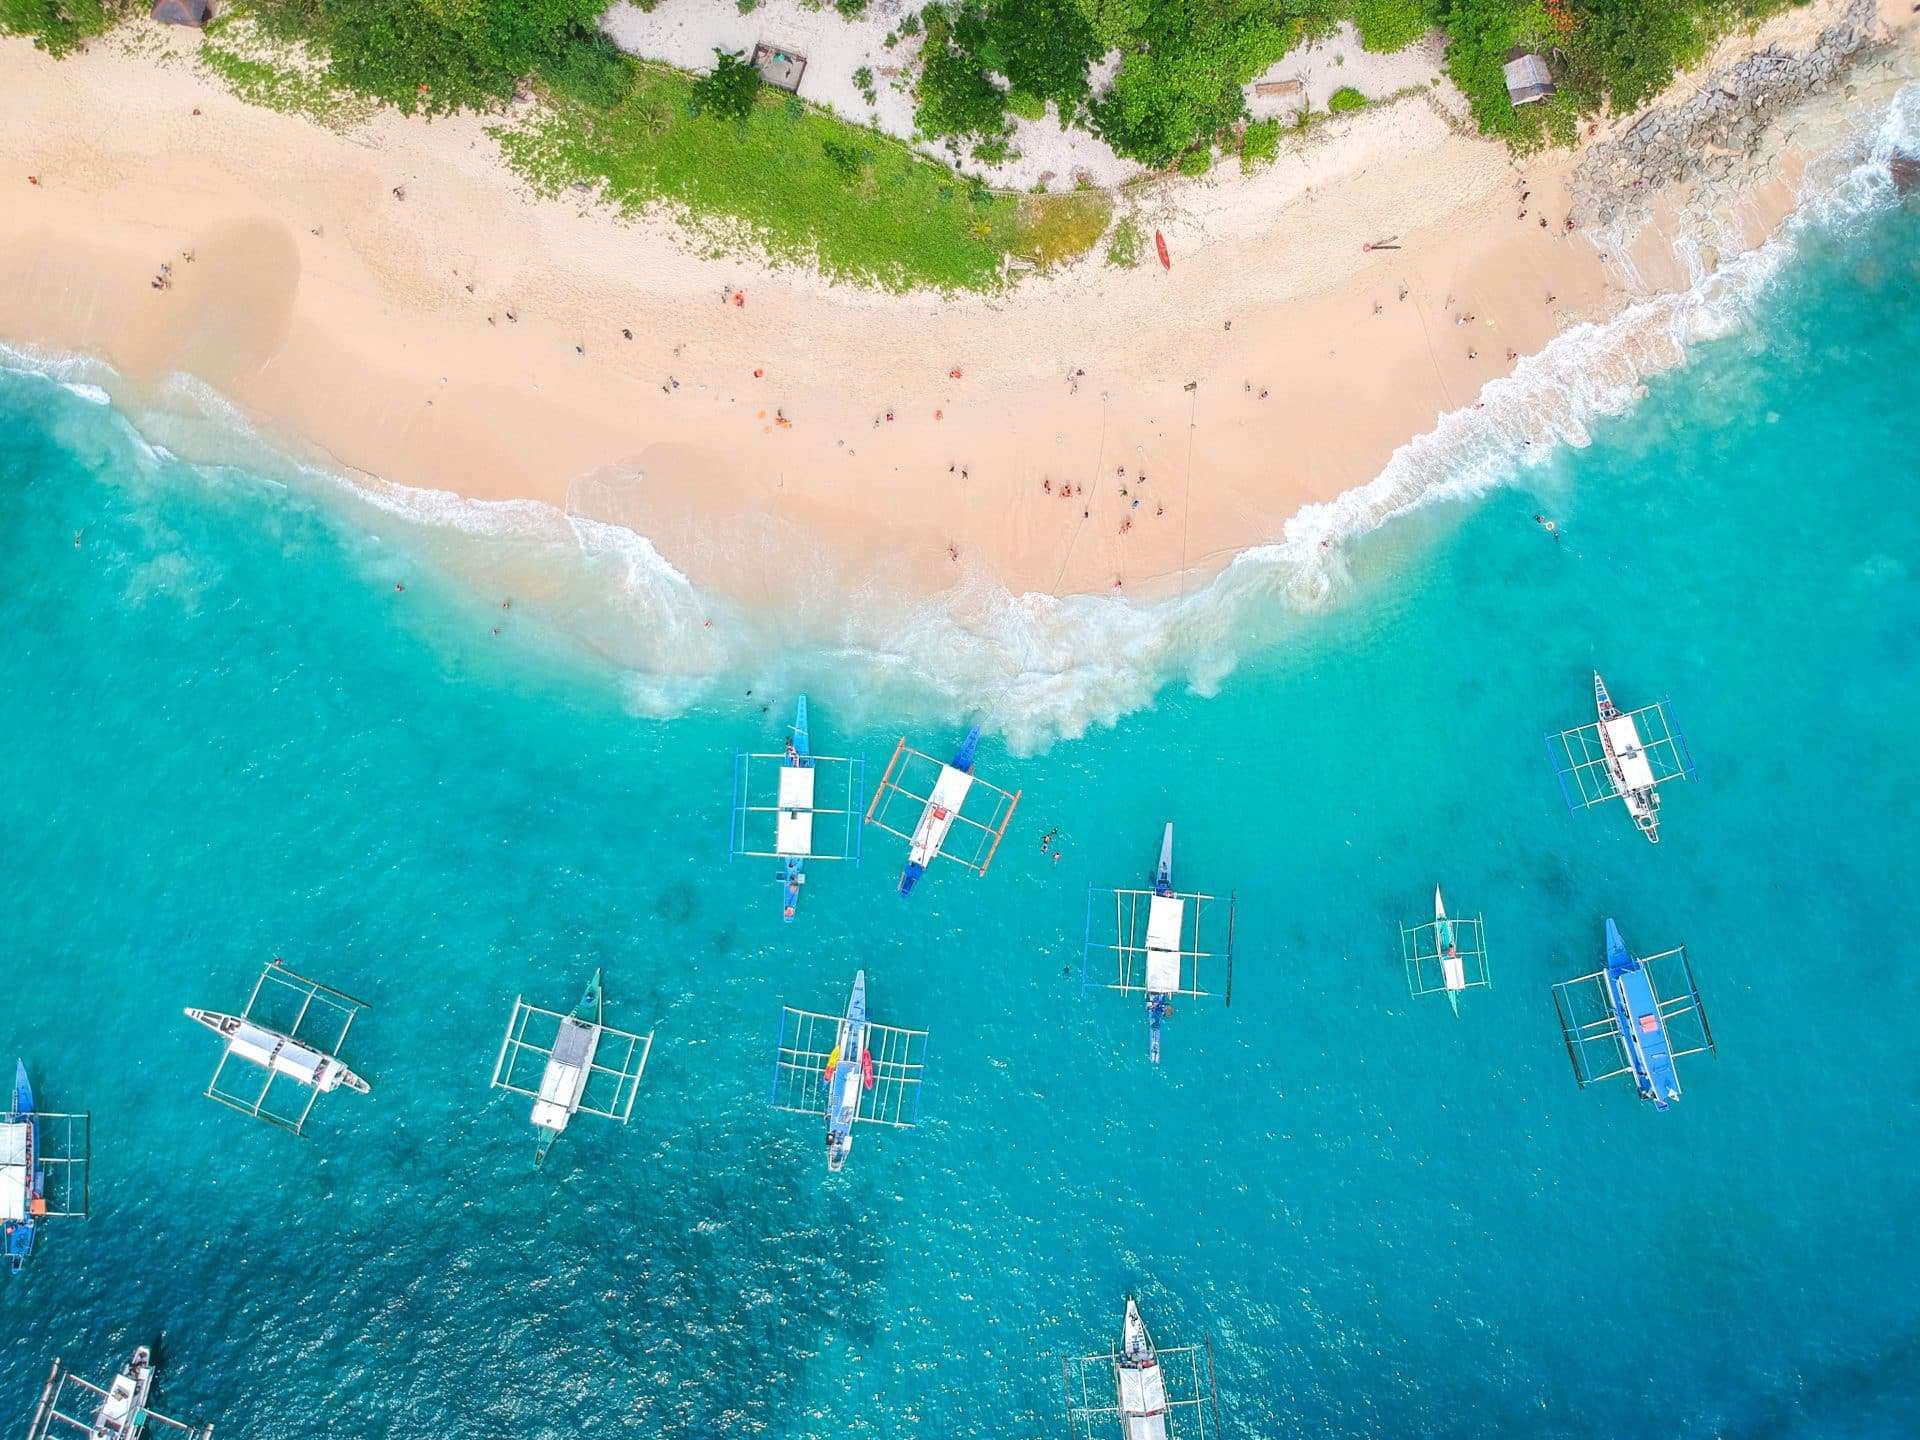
1160	244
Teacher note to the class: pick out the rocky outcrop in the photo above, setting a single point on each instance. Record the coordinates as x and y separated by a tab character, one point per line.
1705	137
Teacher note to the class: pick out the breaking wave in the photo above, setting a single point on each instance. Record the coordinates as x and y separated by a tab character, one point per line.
1035	667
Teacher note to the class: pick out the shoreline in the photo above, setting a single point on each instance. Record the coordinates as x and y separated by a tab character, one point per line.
371	334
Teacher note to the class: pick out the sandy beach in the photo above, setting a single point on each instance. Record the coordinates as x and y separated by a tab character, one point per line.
1091	430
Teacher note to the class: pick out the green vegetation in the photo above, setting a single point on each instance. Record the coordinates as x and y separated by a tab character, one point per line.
1389	25
863	82
58	26
728	91
1344	99
1126	244
1259	144
1196	163
799	185
1605	54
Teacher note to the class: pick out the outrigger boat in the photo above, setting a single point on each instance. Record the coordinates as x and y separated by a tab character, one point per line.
848	1069
847	1074
804	828
940	809
1154	1394
1164	915
123	1409
1166	959
1142	1388
293	1029
1634	1026
22	1181
1627	762
120	1411
1446	954
570	1064
796	795
1624	755
279	1054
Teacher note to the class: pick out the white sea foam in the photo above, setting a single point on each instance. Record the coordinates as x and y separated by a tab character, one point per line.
1036	667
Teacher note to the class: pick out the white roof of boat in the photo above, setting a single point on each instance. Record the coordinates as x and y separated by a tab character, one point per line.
1624	736
561	1083
951	788
1165	917
549	1116
793	833
1143	1396
1454	970
257	1044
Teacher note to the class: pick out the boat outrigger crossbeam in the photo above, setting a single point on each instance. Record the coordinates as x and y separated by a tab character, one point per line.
44	1157
1154	1394
292	1029
1445	955
1623	755
1642	1014
807	811
935	795
848	1070
1158	943
70	1405
585	1067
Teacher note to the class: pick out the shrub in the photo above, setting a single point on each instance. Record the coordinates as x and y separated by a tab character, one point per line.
728	91
1344	99
956	95
863	82
1027	107
1187	87
1259	145
1125	245
850	9
58	26
1196	163
593	72
1386	25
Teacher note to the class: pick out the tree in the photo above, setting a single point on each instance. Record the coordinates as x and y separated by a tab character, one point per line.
729	89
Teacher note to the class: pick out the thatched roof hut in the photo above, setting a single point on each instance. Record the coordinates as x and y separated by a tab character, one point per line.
180	12
1527	76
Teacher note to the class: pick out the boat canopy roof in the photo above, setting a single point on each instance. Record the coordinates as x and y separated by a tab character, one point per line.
793	826
1142	1391
1630	751
1166	918
261	1046
13	1170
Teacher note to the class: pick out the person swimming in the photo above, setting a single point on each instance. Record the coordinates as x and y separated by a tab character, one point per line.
1547	525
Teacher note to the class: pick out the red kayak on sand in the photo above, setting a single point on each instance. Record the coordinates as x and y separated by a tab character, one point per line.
1160	244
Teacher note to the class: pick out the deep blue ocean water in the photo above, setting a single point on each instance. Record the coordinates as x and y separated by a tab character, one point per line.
225	736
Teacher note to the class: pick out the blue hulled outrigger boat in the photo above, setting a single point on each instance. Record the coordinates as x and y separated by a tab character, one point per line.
812	804
1635	1018
800	767
848	1069
22	1180
938	809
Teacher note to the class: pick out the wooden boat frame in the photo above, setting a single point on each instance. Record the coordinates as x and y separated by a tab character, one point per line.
625	1075
50	1412
740	840
1186	1416
808	1037
1421	953
1128	945
1604	1030
987	834
1579	759
312	993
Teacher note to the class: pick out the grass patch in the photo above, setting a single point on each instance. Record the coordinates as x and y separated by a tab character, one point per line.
1259	144
1127	245
798	185
1346	99
276	73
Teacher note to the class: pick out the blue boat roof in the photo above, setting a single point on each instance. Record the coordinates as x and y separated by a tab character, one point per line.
1636	1010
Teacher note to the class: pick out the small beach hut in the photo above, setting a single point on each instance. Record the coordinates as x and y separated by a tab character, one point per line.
180	12
1527	76
779	66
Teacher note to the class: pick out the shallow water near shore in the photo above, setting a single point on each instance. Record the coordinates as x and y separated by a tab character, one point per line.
226	735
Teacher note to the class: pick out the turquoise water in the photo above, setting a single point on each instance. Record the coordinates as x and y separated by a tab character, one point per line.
225	735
